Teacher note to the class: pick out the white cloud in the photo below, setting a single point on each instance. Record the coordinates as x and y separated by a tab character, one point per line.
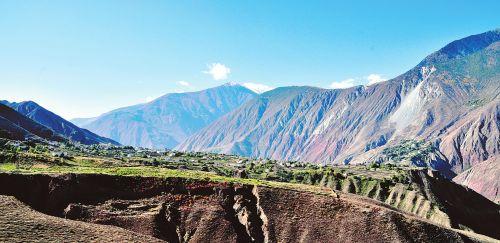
368	80
184	83
218	71
344	84
257	88
375	78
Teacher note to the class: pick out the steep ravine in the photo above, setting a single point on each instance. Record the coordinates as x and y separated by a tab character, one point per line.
181	210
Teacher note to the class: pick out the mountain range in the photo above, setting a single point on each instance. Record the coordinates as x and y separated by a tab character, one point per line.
442	113
170	119
36	120
16	126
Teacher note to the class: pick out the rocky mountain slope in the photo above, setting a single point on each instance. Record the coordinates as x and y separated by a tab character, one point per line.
14	125
177	210
356	125
56	123
473	138
483	178
168	120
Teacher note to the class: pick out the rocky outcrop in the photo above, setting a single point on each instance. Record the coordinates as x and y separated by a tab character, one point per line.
483	178
179	210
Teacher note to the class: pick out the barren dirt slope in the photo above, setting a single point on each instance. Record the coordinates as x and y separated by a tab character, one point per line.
19	223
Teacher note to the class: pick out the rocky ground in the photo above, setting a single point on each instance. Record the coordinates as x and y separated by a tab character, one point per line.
180	210
19	223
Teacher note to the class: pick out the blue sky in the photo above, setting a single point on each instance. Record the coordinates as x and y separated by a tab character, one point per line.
83	58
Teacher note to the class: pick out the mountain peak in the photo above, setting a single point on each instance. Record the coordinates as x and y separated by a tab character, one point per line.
470	44
230	83
247	87
15	105
168	120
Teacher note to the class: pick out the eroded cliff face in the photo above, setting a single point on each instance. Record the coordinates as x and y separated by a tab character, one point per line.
180	210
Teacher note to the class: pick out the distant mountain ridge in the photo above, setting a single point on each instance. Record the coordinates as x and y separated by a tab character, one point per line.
168	120
467	45
16	126
358	124
56	123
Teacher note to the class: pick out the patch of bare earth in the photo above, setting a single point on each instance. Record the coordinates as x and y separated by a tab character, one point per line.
19	223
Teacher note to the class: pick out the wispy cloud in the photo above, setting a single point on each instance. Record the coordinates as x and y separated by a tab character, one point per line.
184	83
344	84
257	88
374	78
218	71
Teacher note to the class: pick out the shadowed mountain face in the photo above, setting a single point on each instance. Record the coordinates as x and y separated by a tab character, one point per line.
434	102
56	123
168	120
16	126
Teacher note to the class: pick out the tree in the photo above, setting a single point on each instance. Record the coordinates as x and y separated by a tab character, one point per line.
374	165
